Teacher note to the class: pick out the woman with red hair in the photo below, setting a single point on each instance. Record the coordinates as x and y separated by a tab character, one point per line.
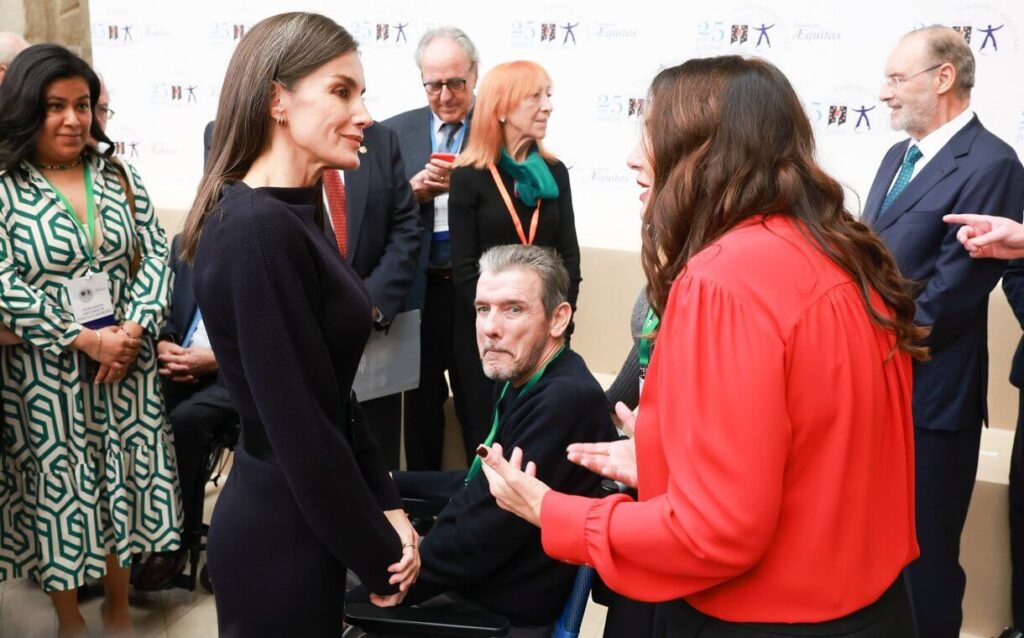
506	189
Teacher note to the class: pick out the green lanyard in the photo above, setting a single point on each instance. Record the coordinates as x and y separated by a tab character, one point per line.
647	343
474	469
89	229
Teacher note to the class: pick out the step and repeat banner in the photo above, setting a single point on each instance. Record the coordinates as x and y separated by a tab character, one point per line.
164	65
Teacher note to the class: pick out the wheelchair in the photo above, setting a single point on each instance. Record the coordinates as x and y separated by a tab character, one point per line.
365	620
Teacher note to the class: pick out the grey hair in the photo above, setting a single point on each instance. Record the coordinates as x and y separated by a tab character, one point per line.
455	34
545	262
948	46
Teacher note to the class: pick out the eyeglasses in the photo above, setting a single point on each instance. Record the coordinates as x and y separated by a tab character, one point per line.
106	111
895	81
455	85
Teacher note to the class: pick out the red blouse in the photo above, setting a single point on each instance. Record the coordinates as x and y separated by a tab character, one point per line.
774	445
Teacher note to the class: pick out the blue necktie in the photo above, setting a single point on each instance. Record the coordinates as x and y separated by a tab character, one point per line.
449	129
906	172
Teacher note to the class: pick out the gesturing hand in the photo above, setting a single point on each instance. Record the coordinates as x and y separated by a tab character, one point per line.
988	236
515	490
615	460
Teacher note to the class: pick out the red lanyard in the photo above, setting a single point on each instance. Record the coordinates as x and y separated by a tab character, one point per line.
512	210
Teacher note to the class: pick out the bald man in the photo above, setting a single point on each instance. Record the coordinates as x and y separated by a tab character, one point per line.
11	44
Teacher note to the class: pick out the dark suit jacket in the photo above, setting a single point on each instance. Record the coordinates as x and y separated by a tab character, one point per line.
1013	286
975	172
183	302
414	136
384	233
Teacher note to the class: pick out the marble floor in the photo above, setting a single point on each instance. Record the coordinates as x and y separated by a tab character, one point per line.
25	611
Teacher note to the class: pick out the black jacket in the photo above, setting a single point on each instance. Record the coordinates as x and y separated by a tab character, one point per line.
487	554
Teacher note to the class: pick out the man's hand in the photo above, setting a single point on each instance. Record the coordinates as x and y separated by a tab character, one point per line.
431	181
516	489
184	365
989	236
615	460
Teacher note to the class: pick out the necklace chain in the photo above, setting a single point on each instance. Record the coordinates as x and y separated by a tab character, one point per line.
63	165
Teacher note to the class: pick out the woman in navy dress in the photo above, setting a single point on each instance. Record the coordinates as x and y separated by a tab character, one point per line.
309	494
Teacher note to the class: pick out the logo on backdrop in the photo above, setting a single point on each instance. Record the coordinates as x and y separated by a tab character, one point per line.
845	110
748	28
388	29
557	27
619	108
986	28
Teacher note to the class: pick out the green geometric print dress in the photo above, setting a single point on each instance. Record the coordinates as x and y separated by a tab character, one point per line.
85	470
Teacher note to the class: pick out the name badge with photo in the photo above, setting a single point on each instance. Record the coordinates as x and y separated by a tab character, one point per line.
90	300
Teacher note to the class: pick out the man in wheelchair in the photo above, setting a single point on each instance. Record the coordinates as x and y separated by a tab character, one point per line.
545	399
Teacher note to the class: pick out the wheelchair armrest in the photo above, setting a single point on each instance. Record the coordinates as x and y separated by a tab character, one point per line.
413	621
422	508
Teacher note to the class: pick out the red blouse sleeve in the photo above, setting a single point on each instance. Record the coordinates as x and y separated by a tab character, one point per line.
712	439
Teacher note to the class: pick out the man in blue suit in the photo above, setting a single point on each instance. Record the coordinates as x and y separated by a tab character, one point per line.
448	64
951	163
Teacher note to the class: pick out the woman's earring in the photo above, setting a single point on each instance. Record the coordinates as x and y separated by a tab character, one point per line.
501	119
280	119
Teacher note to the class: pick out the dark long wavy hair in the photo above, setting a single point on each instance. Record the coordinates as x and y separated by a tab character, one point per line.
23	99
284	48
729	140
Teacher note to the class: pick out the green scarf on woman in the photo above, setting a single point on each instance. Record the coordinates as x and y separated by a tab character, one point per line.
533	178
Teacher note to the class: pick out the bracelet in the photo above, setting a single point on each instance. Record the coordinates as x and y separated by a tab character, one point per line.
99	343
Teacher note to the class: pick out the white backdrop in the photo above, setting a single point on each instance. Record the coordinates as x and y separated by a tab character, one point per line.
164	64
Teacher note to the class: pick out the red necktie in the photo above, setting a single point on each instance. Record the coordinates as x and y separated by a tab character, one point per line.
335	190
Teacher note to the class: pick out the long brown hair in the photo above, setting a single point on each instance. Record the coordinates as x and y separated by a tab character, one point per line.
501	90
729	140
284	48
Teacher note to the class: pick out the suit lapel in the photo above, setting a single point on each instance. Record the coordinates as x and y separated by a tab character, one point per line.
944	163
879	188
357	185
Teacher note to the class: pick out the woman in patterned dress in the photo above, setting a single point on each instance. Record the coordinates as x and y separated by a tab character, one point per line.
86	469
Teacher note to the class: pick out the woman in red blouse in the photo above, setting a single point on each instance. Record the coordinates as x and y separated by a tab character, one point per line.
774	442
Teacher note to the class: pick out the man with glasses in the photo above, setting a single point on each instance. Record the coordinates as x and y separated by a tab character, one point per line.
448	63
951	163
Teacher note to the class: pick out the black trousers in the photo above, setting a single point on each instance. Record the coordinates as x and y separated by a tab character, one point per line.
946	464
198	413
889	617
424	407
1017	517
384	415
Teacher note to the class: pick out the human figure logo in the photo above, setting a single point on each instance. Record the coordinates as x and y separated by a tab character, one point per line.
763	30
862	116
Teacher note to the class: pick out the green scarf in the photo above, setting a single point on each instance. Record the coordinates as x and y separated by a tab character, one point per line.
533	178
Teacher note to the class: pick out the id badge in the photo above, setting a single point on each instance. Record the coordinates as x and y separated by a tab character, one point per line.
441	215
90	300
643	375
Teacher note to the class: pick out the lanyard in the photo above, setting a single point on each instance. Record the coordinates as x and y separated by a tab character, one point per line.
474	469
89	229
456	140
646	342
512	210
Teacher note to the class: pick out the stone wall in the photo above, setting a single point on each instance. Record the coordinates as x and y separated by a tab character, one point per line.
61	21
